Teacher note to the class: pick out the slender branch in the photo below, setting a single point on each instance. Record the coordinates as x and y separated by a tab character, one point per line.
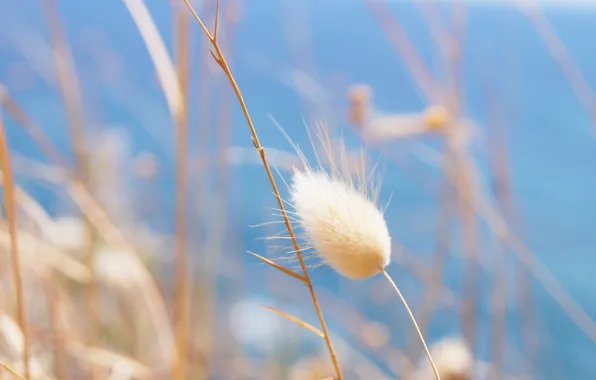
9	200
220	59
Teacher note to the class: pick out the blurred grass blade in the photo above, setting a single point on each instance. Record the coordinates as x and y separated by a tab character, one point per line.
296	320
287	271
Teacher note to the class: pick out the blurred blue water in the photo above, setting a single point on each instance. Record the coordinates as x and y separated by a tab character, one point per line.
552	148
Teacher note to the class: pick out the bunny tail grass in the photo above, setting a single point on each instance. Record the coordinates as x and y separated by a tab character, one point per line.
403	300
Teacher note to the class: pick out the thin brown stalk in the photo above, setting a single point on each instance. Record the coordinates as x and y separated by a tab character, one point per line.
52	298
505	203
356	325
298	321
206	296
403	300
434	285
8	369
95	214
68	84
499	296
9	200
469	233
287	271
299	42
463	181
502	189
218	202
220	59
454	57
438	31
527	258
406	49
538	269
225	104
181	286
557	49
34	131
69	89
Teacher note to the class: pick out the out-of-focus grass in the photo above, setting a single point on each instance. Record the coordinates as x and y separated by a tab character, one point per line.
108	295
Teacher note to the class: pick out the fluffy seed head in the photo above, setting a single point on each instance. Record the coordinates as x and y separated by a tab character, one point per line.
344	226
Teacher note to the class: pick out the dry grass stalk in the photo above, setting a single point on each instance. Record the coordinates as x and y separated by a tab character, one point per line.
8	369
69	88
275	265
406	49
39	254
220	59
203	293
164	66
471	247
297	321
454	360
556	48
174	83
107	359
34	131
373	335
70	92
181	286
56	327
403	300
434	287
218	202
9	200
527	258
502	190
104	225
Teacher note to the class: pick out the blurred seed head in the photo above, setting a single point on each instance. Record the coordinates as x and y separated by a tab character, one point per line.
453	359
436	117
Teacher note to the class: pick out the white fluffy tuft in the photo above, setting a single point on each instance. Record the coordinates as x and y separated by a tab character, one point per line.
347	230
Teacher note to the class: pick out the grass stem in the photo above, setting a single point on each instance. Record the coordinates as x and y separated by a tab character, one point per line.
220	59
403	300
9	200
